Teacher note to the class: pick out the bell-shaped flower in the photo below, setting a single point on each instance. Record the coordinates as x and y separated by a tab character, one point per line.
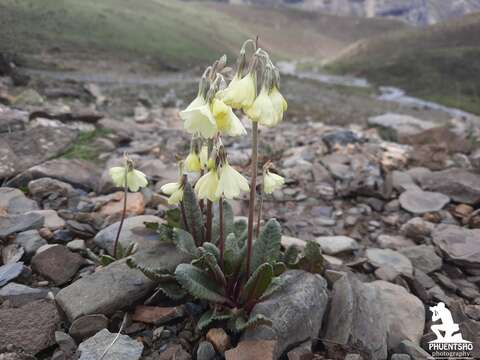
198	118
231	182
128	176
203	157
279	104
192	162
262	110
175	192
206	187
272	182
241	92
227	122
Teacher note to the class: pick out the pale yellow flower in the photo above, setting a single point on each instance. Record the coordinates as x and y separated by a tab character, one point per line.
204	156
192	162
262	110
279	104
240	93
231	182
175	192
198	118
135	179
227	122
207	186
272	182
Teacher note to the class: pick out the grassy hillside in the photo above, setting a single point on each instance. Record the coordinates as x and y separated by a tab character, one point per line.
170	31
441	63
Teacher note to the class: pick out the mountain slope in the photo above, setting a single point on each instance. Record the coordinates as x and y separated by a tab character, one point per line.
172	32
440	63
415	12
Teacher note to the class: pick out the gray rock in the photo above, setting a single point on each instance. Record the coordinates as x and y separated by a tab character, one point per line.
12	120
77	245
30	327
31	241
460	245
22	149
332	245
133	230
12	253
417	201
414	350
399	125
19	295
14	201
296	311
404	313
87	326
393	242
78	173
104	292
11	224
66	343
52	193
57	264
355	320
460	185
423	257
51	219
124	348
205	351
340	137
10	271
402	181
400	357
390	258
417	229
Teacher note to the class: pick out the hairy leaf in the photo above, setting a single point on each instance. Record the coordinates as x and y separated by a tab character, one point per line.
193	213
199	284
267	247
312	260
172	290
212	249
184	242
228	225
258	283
291	255
279	268
232	254
174	218
106	260
241	324
210	316
275	284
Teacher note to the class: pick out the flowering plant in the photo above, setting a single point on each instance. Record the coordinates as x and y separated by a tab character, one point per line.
228	269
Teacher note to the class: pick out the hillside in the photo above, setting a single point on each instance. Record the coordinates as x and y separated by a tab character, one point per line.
415	12
440	63
171	32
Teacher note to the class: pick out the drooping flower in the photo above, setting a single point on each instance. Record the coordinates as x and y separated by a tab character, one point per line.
175	192
206	187
271	182
198	118
192	162
241	92
262	110
231	182
203	157
128	176
279	104
227	122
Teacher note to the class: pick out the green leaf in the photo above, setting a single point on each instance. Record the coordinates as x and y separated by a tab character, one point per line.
210	316
172	289
228	225
212	249
291	255
267	247
174	218
199	284
131	249
120	251
257	284
193	213
184	242
275	284
214	268
312	260
106	260
151	225
256	320
232	254
165	233
279	268
240	228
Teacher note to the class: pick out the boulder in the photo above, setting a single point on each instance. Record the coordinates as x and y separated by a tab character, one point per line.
459	184
19	295
14	201
296	311
390	258
355	320
399	125
417	201
78	173
30	327
124	348
31	241
11	224
333	245
404	313
460	245
423	257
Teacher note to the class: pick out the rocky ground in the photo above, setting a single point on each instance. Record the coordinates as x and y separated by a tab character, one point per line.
394	204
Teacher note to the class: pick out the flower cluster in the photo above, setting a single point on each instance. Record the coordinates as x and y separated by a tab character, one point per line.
211	115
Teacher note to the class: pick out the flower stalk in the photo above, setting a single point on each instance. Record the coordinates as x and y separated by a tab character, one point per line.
124	212
221	240
253	183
